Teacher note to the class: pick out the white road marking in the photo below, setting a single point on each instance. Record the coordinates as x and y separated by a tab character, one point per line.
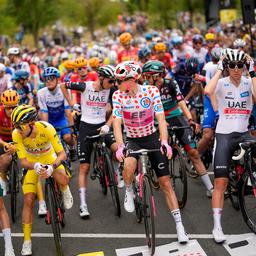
92	235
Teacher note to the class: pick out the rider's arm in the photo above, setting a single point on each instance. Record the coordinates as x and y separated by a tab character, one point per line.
44	116
110	121
185	110
66	94
2	142
211	86
30	97
42	105
162	126
69	117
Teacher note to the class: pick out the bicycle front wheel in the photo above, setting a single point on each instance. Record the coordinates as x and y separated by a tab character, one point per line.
14	188
247	201
148	211
53	212
177	169
112	185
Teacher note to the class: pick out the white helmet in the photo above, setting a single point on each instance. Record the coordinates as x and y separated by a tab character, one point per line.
128	69
35	60
13	51
64	55
239	43
216	52
235	55
78	49
2	68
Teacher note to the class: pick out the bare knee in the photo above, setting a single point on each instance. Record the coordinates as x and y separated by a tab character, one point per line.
29	200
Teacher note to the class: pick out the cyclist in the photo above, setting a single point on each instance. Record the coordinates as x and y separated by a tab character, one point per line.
5	82
144	54
235	101
55	109
82	75
94	63
40	151
10	100
181	51
22	87
210	41
128	52
95	96
175	109
135	106
209	120
13	54
199	51
239	44
69	66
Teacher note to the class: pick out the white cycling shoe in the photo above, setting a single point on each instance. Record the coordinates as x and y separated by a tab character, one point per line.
67	198
218	235
128	201
84	213
26	248
182	234
42	211
9	252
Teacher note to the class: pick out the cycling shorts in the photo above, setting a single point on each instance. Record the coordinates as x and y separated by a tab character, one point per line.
185	136
60	124
158	161
31	177
224	147
84	148
210	115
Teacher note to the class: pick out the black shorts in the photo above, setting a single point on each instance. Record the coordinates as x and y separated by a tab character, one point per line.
84	148
224	147
185	136
158	161
1	150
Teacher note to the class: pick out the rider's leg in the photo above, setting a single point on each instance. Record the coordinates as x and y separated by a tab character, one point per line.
40	197
204	142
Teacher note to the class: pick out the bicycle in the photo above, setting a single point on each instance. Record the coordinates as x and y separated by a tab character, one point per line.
143	197
55	210
245	188
103	169
177	167
13	180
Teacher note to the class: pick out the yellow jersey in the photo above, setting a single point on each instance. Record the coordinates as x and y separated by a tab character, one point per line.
42	148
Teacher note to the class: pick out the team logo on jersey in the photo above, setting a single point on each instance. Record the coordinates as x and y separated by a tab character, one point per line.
226	85
158	108
117	113
244	94
145	102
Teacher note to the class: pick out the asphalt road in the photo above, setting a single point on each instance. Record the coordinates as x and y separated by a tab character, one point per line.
105	232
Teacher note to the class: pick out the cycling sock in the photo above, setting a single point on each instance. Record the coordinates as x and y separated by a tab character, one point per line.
27	228
39	191
217	217
41	202
207	181
176	216
82	194
128	187
7	238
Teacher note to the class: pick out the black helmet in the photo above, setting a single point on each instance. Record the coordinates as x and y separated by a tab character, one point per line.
192	65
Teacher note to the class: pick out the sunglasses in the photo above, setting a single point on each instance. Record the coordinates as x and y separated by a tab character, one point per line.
10	108
81	68
198	43
50	78
111	81
151	75
233	65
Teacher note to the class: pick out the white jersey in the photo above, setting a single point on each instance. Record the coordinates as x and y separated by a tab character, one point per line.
210	69
234	105
52	103
94	104
199	55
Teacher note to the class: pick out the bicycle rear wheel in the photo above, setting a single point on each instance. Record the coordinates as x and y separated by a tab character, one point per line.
112	185
153	178
148	211
53	211
178	176
247	201
137	203
14	188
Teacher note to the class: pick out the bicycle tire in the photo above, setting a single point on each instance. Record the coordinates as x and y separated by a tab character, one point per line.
101	175
179	176
233	197
245	190
112	185
137	203
53	211
148	210
14	184
153	178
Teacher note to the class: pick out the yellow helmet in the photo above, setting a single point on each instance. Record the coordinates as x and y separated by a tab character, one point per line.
23	114
160	47
209	36
125	38
10	98
80	62
94	62
69	64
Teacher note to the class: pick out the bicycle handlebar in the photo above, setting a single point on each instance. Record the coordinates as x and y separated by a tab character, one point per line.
241	153
100	135
58	129
142	151
173	128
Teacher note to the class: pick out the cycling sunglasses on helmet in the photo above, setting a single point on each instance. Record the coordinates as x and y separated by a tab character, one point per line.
233	65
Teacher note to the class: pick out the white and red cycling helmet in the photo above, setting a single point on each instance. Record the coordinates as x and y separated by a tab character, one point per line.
128	69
